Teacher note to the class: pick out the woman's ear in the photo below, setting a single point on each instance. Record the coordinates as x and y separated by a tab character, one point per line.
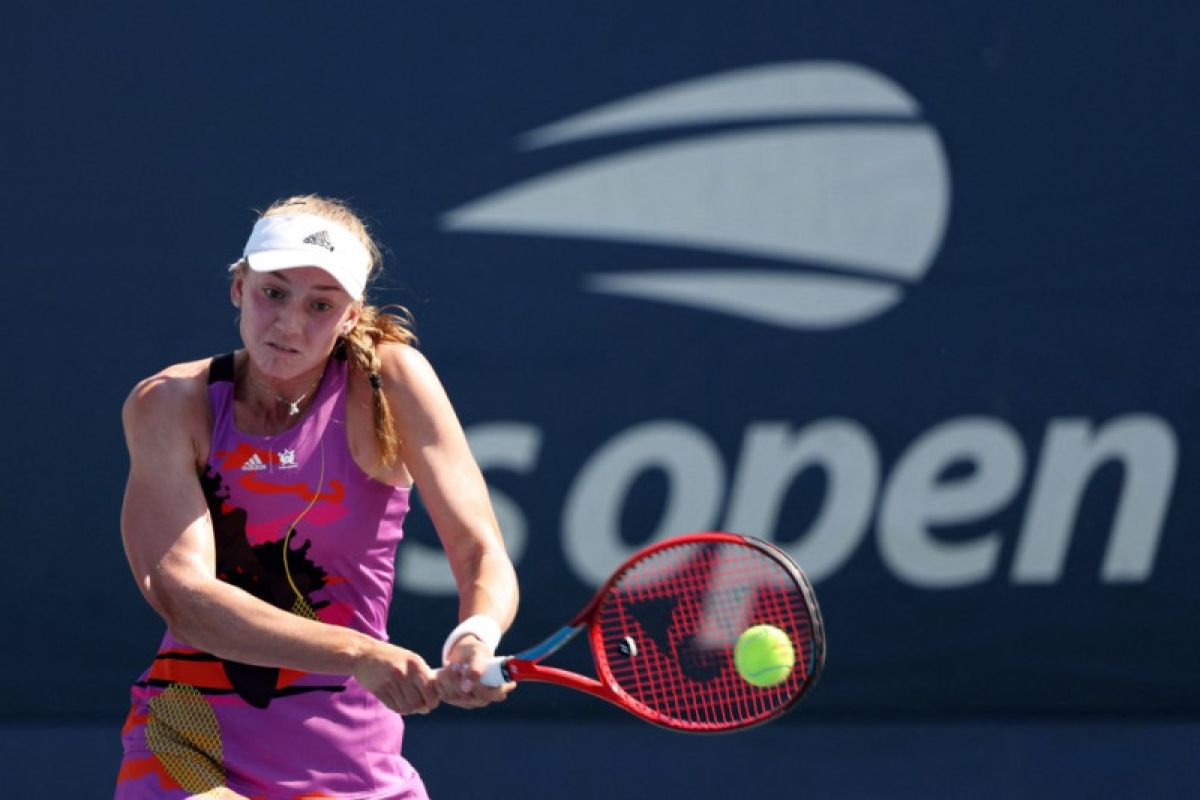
235	289
352	319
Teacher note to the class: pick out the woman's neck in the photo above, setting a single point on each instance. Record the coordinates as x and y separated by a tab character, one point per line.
277	400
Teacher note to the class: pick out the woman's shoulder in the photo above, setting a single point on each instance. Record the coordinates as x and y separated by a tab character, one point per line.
405	370
408	378
399	360
175	394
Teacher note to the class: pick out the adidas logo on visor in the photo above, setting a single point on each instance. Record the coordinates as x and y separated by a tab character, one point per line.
320	239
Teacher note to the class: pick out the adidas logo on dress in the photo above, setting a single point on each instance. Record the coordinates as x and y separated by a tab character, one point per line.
253	464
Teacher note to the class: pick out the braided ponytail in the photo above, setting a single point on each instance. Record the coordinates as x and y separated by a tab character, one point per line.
375	325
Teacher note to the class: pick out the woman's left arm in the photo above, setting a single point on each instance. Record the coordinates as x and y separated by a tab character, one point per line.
434	448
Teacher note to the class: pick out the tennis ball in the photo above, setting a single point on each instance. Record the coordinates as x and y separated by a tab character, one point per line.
764	656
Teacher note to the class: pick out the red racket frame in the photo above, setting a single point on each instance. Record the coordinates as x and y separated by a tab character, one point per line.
525	666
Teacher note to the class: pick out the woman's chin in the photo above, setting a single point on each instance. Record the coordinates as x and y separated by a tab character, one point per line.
279	363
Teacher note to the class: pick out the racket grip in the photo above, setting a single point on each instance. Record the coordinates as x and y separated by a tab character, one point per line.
494	674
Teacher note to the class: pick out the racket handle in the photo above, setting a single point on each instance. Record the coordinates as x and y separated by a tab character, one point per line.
494	674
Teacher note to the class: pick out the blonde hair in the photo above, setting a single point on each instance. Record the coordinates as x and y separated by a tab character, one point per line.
374	325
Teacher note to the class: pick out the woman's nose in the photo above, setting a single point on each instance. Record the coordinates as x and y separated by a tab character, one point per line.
289	320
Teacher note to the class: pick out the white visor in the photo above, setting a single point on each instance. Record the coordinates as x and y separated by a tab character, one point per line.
286	241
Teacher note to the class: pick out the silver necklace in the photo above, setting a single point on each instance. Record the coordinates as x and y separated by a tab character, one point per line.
293	405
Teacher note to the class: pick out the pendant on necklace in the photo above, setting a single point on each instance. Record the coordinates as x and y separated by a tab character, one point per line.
293	405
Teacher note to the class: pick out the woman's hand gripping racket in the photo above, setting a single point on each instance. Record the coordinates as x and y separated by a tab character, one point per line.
664	629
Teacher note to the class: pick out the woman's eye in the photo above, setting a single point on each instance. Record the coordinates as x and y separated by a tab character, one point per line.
321	306
272	292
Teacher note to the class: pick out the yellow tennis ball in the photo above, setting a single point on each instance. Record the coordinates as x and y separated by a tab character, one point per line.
764	656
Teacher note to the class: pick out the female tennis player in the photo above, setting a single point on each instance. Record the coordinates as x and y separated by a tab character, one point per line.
264	504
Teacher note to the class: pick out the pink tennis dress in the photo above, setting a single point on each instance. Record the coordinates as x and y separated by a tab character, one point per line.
300	526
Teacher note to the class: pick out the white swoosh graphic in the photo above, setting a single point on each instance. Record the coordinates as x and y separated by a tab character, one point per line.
791	300
868	199
769	91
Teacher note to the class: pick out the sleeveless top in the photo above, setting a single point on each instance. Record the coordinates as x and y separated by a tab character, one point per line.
299	525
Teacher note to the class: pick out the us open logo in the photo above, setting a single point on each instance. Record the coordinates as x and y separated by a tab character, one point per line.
822	176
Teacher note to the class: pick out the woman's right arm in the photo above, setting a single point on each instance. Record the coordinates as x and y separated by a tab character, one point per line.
169	542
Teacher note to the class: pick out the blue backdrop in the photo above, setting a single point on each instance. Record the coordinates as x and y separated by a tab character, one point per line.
908	290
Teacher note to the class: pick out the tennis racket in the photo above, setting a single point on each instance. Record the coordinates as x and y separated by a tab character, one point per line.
662	633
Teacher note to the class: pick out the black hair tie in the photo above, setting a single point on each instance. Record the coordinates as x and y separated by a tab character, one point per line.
376	381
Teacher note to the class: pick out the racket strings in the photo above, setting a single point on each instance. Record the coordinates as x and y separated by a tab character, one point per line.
683	609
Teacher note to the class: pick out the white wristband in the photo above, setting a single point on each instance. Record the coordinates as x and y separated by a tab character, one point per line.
479	625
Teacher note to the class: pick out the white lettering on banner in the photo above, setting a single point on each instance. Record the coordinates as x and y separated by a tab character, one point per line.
922	494
917	498
592	517
773	456
1145	446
